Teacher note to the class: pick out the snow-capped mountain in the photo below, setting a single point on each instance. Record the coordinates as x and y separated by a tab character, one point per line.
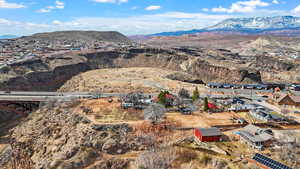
285	25
278	22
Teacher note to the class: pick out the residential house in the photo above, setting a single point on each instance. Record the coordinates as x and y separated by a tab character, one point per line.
256	137
286	99
264	115
136	100
237	101
242	108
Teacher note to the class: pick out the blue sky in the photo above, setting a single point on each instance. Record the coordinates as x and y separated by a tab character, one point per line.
24	17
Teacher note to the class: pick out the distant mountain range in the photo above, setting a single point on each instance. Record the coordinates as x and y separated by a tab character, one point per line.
281	25
8	36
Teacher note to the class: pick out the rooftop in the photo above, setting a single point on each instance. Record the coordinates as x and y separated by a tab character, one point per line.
210	131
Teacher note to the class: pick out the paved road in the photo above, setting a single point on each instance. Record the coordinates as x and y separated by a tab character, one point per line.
246	91
44	96
269	106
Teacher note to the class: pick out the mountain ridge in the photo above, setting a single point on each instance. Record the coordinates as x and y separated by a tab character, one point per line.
254	25
8	36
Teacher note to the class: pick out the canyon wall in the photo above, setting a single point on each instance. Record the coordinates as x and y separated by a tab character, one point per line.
49	74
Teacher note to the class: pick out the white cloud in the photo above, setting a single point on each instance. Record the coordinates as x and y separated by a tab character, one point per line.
297	9
219	9
57	22
153	7
58	5
275	2
242	6
8	5
205	9
134	8
145	24
44	10
111	1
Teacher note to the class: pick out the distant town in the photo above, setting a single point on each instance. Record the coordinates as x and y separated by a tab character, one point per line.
19	50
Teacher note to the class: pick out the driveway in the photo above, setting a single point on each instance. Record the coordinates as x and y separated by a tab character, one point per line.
269	106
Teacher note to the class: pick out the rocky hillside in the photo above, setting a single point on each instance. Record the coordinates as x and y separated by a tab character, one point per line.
87	36
60	138
45	74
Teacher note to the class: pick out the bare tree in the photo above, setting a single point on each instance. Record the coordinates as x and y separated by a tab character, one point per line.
154	113
20	159
158	158
290	154
184	93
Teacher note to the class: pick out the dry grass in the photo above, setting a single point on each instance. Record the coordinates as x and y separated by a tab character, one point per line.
202	119
102	111
125	80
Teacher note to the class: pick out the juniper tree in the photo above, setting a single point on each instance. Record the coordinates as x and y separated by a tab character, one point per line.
196	94
206	104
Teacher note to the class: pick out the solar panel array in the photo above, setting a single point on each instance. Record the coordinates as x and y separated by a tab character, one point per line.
269	162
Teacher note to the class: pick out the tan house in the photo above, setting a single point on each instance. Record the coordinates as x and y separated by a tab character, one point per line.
286	99
256	137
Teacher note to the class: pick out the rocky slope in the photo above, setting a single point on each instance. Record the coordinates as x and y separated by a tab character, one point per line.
59	138
45	74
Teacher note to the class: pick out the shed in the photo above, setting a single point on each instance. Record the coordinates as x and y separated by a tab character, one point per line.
207	134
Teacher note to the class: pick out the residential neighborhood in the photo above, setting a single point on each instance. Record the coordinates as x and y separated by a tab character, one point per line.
248	122
22	49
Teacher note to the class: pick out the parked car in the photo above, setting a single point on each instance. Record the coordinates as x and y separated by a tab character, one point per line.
297	88
227	86
249	87
186	111
237	86
261	87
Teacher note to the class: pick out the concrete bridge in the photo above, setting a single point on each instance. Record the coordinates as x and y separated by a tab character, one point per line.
20	96
39	96
13	100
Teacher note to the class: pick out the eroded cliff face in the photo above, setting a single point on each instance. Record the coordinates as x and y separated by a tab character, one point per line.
167	59
209	73
50	73
277	70
269	63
